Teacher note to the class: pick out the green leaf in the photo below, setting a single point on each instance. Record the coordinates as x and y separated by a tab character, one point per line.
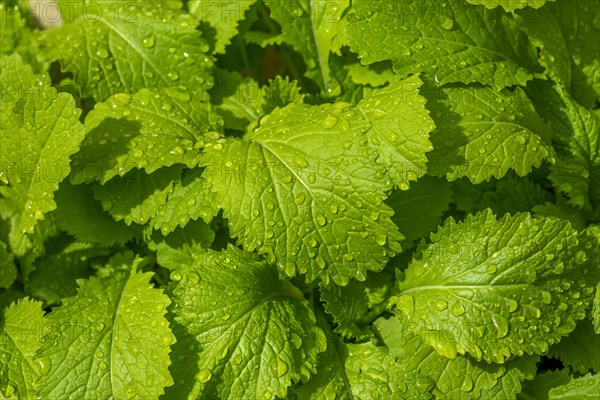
400	129
566	32
125	47
21	327
137	196
183	246
361	371
311	26
460	378
583	388
113	336
510	5
482	133
456	43
79	214
284	187
494	288
40	132
148	130
579	349
222	18
247	323
419	210
189	200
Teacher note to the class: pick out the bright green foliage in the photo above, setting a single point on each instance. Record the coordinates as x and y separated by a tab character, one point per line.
246	323
40	132
148	130
125	47
111	340
466	277
284	186
460	378
566	32
400	129
458	43
189	200
22	326
510	5
300	199
482	133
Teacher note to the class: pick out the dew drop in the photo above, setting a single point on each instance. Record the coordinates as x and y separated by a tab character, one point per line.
321	220
102	53
329	122
103	366
457	309
44	365
406	304
175	276
441	305
300	162
148	42
467	385
282	367
204	375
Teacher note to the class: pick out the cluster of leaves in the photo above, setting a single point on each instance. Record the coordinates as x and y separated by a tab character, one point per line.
303	199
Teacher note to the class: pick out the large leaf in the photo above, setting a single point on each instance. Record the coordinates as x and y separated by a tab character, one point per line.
458	42
494	288
21	327
482	133
109	341
112	47
254	333
40	132
290	190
